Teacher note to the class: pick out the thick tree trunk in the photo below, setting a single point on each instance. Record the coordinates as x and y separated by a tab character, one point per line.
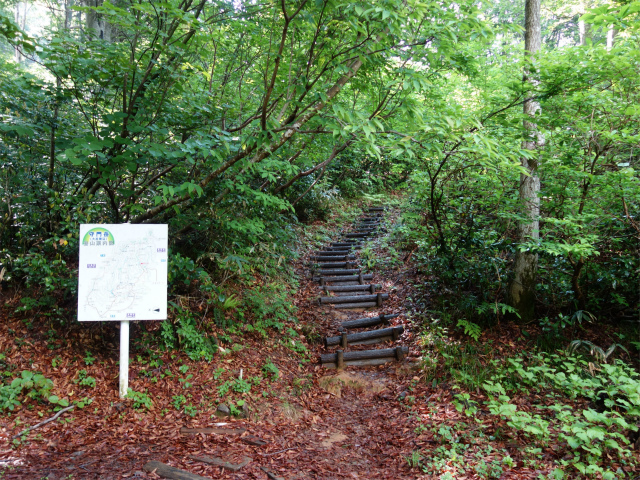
523	283
95	24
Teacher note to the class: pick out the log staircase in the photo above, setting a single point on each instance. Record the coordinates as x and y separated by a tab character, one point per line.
343	286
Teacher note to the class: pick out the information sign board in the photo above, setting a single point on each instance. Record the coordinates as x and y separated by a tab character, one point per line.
122	273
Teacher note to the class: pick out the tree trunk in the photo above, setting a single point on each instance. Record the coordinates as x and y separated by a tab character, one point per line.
96	25
523	283
21	21
611	35
582	26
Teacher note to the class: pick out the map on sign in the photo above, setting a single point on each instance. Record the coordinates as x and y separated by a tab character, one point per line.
122	273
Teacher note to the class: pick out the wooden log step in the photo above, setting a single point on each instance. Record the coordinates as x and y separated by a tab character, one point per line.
332	257
346	271
336	251
345	294
270	476
346	243
336	264
354	298
376	209
344	278
369	322
221	462
364	357
352	288
365	338
253	440
166	471
346	306
357	235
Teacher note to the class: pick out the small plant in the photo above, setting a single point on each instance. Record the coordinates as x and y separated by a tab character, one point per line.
178	401
415	459
84	380
185	381
241	386
470	328
32	385
89	359
190	410
224	389
302	384
83	402
140	399
269	368
297	346
56	361
463	402
594	350
236	410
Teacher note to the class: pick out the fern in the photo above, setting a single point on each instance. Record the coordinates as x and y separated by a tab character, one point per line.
497	307
470	328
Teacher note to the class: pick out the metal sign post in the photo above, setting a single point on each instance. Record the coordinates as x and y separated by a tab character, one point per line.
122	276
124	358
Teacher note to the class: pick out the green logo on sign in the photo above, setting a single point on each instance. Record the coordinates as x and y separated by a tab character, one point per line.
98	236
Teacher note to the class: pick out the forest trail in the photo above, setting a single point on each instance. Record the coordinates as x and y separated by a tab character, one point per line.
342	282
351	424
321	424
386	421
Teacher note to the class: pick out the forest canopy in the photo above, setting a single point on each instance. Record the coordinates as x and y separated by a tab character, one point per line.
234	121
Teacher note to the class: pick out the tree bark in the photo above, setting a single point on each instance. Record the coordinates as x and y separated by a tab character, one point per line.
523	283
582	26
611	35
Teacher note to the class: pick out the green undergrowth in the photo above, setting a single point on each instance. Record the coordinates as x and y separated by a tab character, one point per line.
575	413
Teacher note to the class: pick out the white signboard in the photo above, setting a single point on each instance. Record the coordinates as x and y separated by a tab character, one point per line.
122	273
